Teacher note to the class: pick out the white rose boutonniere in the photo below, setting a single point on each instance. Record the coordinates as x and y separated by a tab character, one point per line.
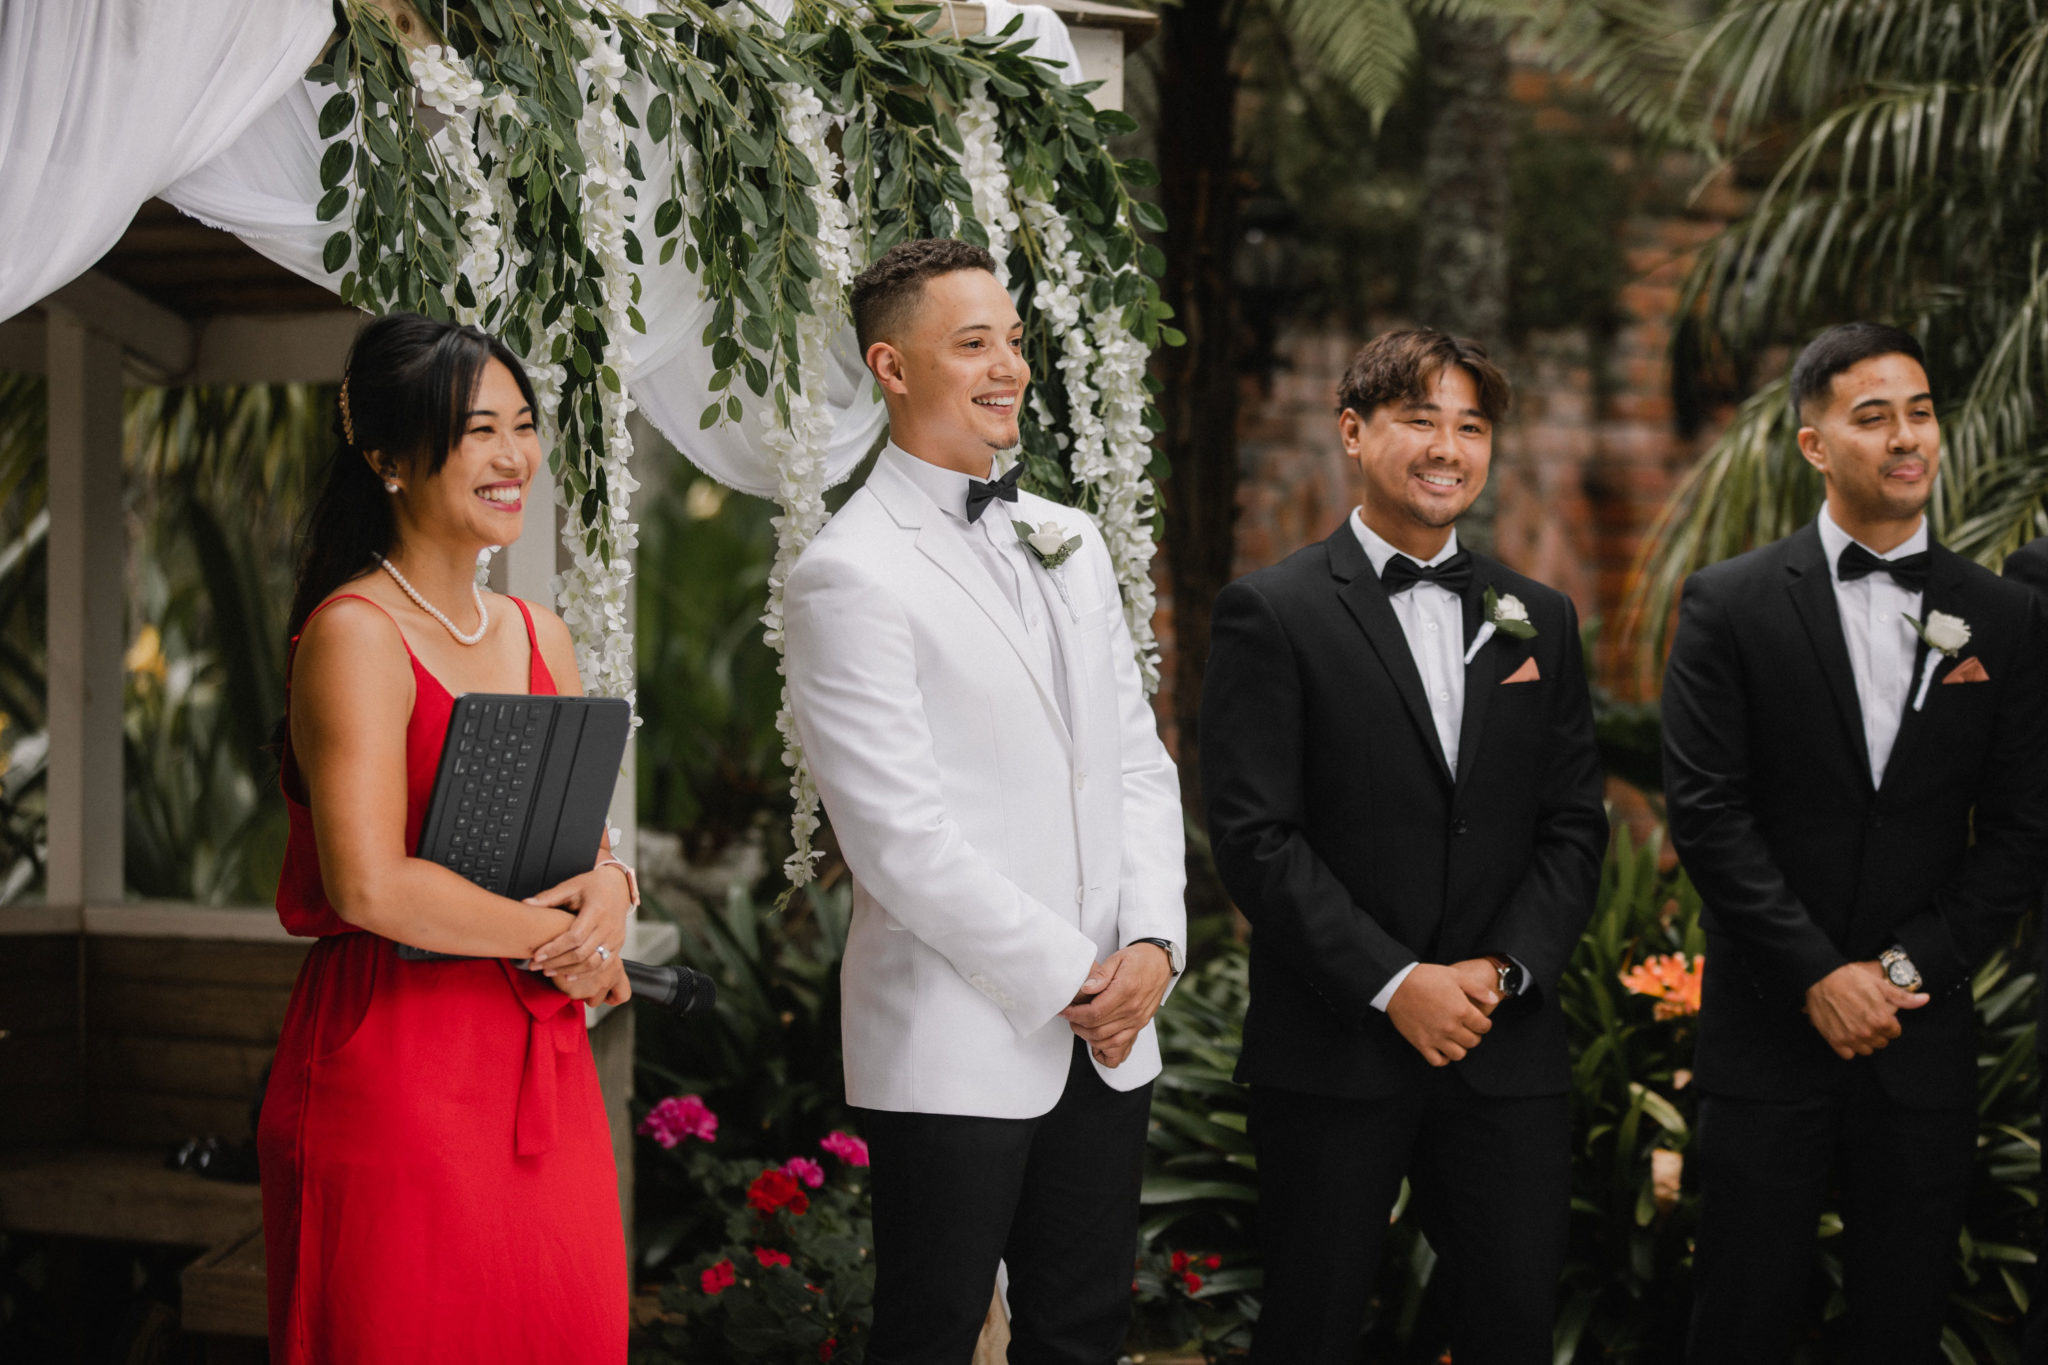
1505	615
1943	634
1048	540
1052	544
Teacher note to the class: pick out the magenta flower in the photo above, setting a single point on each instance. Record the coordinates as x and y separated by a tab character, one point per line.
679	1117
806	1170
847	1148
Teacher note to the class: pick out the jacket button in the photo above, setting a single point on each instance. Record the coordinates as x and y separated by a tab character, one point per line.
1458	827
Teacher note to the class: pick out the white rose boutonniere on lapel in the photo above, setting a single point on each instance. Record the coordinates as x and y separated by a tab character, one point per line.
1943	634
1505	615
1052	545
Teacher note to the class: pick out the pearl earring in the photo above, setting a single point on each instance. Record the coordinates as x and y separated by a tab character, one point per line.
390	486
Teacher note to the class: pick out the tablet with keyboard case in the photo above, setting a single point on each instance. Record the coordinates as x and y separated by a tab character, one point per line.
524	784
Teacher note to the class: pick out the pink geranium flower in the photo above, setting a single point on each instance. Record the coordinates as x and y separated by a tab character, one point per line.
806	1170
847	1148
679	1117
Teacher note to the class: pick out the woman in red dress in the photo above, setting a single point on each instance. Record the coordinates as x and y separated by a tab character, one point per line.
437	1168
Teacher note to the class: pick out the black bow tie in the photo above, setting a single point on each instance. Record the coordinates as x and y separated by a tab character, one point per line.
980	495
1908	571
1403	573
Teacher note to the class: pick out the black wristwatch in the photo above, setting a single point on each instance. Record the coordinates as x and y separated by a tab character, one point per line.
1510	972
1172	950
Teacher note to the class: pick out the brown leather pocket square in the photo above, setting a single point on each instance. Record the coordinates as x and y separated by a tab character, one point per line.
1969	670
1529	673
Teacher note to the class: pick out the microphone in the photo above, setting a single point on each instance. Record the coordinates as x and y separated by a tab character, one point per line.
679	990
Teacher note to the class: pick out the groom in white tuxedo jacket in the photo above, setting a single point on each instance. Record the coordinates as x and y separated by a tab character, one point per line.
971	709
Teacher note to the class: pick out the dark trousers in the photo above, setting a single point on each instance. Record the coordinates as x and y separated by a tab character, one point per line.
2034	1347
1055	1198
1764	1170
1491	1185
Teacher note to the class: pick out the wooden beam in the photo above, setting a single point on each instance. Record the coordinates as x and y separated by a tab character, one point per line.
87	612
305	348
158	338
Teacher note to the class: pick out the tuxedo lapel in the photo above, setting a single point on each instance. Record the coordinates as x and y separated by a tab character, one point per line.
1358	587
1946	584
943	545
1480	681
1812	590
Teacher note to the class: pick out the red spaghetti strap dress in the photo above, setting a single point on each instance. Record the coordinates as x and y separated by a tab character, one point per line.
438	1183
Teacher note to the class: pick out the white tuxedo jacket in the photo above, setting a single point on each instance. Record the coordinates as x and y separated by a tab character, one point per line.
995	854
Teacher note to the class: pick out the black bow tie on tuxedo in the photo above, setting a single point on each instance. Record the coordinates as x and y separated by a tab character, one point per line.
1403	573
1908	571
980	495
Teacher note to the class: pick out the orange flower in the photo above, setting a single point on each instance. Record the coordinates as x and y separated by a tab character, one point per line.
1672	980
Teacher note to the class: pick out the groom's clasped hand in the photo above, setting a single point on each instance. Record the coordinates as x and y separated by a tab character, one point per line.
1118	999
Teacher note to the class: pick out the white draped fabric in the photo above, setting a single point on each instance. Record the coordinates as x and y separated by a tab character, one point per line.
105	104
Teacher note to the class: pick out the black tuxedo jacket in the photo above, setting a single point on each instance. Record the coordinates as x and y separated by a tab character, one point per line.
1354	849
2029	565
1802	863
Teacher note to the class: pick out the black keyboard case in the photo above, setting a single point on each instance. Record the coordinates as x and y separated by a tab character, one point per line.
523	788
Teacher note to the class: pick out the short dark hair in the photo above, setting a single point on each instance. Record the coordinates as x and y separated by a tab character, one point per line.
1838	348
1396	367
885	291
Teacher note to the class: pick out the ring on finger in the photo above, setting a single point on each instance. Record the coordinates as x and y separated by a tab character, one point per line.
604	954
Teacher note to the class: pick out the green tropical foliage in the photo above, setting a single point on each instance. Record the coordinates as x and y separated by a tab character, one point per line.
214	479
1901	149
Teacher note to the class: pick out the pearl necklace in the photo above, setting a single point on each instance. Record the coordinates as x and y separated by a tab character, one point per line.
483	617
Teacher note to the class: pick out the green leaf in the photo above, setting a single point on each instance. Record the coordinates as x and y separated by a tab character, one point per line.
382	141
334	164
732	406
336	113
331	203
660	117
335	254
1149	215
1172	336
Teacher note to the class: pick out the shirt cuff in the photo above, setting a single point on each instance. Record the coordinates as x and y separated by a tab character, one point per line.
1380	1001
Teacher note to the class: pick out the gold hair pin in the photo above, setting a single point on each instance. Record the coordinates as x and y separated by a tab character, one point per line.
348	427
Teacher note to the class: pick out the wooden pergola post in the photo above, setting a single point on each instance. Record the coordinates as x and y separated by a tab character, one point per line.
87	613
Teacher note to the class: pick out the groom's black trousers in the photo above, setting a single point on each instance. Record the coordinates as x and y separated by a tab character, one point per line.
1055	1198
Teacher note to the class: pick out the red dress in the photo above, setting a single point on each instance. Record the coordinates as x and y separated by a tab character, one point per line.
438	1182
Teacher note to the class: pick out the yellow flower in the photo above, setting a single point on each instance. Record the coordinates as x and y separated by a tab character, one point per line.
146	655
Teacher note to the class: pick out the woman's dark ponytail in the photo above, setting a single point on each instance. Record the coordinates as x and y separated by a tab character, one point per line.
405	387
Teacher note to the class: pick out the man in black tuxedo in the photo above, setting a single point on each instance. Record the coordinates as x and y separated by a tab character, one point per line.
1841	709
1404	797
2029	565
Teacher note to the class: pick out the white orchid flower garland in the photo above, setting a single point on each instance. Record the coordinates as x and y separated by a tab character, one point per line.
801	445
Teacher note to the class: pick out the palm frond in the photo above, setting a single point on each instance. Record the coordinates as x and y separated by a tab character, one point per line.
1366	46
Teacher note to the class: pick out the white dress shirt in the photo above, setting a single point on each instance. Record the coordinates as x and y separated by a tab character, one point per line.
1432	618
993	540
1882	642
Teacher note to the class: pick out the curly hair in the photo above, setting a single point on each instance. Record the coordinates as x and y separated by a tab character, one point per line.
1397	367
884	292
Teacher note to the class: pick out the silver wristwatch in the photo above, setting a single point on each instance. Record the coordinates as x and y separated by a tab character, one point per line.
1899	969
1173	952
